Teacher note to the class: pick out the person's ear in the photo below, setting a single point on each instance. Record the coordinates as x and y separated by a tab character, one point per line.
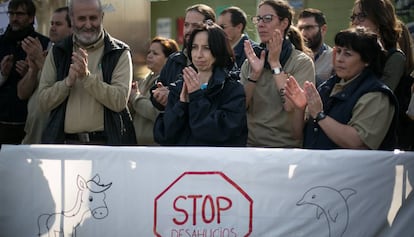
240	27
324	29
285	24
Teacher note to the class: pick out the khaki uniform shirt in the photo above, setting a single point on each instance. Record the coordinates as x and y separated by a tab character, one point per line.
371	116
268	123
35	122
145	113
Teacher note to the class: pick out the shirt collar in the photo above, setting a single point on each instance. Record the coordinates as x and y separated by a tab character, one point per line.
320	51
235	44
340	86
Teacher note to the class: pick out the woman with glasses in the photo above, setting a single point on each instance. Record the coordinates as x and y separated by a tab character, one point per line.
379	16
264	76
206	106
353	109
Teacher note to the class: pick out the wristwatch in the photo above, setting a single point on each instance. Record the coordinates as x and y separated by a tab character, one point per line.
319	116
276	70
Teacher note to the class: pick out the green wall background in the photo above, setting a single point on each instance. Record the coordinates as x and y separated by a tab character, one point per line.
337	12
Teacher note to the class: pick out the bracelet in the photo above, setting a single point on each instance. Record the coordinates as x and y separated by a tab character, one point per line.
251	80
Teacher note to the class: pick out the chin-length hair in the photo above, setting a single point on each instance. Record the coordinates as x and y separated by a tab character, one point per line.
366	43
217	42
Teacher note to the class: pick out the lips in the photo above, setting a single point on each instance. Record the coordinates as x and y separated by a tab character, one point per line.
340	71
150	64
199	64
263	35
339	68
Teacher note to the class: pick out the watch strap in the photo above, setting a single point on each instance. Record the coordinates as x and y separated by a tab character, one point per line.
319	116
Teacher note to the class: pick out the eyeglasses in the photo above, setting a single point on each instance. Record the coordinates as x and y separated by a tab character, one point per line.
307	27
18	14
266	19
360	17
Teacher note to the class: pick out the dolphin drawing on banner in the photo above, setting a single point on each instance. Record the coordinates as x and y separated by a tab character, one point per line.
90	200
333	204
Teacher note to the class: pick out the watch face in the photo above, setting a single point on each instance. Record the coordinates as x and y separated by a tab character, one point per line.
321	115
276	70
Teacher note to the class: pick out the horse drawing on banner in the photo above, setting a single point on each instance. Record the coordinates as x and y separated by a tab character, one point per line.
90	200
333	204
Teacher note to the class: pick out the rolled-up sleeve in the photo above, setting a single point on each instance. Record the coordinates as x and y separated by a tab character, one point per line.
371	117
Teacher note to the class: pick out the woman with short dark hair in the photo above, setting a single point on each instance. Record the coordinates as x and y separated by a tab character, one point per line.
352	109
143	112
206	106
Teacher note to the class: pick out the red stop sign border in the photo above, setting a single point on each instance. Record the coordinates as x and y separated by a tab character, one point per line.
225	177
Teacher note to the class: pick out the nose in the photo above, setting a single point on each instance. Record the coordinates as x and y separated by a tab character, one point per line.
199	53
260	23
354	22
88	23
191	29
339	57
100	212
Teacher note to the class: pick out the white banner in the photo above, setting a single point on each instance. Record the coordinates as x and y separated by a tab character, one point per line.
204	192
4	19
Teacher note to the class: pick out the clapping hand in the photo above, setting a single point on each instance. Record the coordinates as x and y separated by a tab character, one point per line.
256	63
314	99
275	48
79	67
192	82
6	65
300	98
22	67
34	51
295	93
161	94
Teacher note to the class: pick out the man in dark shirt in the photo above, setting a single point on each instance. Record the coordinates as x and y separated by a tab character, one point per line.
13	111
233	20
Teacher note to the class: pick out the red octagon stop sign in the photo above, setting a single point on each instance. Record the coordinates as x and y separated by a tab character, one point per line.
203	204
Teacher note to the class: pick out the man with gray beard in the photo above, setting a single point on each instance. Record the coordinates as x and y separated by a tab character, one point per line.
85	83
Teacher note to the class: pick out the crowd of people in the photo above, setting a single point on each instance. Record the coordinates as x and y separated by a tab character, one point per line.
289	90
